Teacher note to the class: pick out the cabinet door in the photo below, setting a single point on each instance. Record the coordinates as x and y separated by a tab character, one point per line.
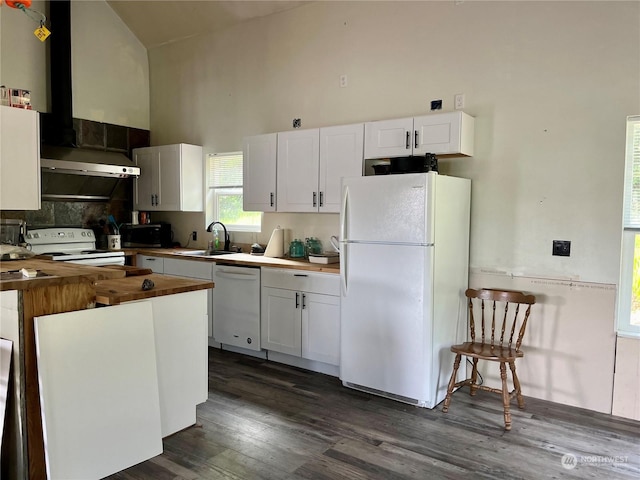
297	172
388	138
154	263
438	133
19	159
146	185
259	173
190	269
321	328
280	321
341	155
169	178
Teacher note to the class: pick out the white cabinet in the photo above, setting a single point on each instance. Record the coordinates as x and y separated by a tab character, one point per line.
449	133
156	264
19	159
311	164
171	178
190	269
259	173
297	171
301	314
341	155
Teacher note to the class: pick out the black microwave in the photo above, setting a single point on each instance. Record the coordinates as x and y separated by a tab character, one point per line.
156	235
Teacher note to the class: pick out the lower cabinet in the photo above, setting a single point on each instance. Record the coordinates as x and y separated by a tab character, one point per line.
191	269
156	264
300	314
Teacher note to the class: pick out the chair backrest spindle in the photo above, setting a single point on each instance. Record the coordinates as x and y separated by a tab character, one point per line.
504	303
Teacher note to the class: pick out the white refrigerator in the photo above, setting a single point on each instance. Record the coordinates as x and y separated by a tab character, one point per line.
404	268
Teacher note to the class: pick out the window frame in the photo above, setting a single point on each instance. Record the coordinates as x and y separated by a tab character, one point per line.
630	229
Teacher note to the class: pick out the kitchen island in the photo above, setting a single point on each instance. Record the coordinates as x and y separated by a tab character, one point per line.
61	288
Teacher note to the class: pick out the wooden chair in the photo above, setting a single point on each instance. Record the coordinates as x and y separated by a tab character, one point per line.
500	303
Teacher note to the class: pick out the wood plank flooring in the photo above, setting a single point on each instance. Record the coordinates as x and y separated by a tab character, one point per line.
265	420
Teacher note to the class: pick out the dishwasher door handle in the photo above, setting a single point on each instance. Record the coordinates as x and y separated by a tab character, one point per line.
237	275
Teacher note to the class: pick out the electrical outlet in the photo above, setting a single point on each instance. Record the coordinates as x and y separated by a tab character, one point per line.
562	248
458	101
436	104
343	81
194	235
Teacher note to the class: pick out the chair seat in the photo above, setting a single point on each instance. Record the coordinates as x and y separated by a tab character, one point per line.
486	351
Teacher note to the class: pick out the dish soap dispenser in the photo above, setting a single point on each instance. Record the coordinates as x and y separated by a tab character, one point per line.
216	239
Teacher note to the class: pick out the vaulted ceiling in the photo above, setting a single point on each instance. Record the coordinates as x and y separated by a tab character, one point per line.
157	22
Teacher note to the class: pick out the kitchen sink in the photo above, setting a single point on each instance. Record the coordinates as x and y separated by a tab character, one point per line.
206	253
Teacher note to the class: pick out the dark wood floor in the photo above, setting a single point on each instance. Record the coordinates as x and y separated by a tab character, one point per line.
264	420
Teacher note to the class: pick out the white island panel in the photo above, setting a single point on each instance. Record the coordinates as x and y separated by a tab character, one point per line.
98	390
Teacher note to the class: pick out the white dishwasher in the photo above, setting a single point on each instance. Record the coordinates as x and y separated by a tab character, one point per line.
236	306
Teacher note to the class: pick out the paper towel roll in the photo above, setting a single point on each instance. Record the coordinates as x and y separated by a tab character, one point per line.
275	247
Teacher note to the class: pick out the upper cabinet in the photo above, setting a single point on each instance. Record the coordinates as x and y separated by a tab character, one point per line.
311	164
298	156
259	173
19	159
171	178
449	133
341	154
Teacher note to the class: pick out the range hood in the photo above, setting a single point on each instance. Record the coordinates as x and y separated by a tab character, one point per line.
69	172
82	161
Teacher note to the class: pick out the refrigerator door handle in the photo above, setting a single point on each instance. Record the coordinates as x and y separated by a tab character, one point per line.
344	213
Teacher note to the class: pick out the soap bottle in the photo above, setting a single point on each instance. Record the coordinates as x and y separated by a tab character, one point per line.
216	239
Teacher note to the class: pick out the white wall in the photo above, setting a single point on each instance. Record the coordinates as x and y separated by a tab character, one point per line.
550	97
110	69
23	57
550	85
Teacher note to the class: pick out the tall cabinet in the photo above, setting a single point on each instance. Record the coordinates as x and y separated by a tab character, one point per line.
19	159
171	178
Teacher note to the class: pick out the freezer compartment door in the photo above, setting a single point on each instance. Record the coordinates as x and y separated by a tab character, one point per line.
388	209
386	319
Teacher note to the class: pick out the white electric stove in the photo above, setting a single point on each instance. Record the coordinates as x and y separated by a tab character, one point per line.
74	245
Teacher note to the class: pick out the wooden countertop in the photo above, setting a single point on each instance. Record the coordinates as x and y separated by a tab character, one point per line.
120	290
50	273
243	259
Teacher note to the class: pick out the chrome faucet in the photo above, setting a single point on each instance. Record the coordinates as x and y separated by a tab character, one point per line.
227	241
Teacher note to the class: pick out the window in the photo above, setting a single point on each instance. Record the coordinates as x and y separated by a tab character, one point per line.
224	196
629	292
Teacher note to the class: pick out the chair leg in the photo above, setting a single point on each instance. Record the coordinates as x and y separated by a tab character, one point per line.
452	382
516	384
505	396
474	378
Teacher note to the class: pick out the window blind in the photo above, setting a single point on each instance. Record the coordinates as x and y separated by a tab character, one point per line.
225	170
631	216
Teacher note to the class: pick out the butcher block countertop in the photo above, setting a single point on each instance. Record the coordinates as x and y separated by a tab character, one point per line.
243	259
120	290
50	273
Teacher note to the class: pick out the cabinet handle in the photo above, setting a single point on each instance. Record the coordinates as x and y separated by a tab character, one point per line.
407	144
300	275
315	203
152	200
304	297
321	199
297	300
416	140
271	199
156	199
